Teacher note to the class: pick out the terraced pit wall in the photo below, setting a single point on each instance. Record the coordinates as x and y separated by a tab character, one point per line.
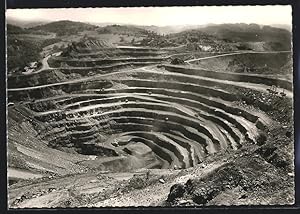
82	111
99	62
286	84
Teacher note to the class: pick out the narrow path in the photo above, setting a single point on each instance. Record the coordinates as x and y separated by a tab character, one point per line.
45	64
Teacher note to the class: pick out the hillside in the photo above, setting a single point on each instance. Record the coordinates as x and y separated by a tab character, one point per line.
247	32
277	38
263	63
227	37
12	29
65	27
21	52
194	40
24	45
24	23
123	30
85	45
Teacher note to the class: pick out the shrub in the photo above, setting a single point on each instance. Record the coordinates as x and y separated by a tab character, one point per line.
177	61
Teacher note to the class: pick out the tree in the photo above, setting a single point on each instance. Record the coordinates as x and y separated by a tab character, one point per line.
55	48
39	65
177	61
132	41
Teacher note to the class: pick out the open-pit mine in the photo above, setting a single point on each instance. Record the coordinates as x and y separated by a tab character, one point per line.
100	123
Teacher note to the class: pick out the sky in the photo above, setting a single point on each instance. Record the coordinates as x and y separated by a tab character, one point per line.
162	16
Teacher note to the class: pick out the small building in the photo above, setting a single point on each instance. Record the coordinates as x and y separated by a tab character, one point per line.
27	70
205	47
33	64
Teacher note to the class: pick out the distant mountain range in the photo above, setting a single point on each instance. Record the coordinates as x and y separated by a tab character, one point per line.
172	29
25	24
123	29
286	27
156	29
246	32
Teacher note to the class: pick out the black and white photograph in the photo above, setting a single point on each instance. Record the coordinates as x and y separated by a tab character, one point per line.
150	106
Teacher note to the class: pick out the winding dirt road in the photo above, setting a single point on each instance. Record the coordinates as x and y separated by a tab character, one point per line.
22	174
254	86
236	53
45	65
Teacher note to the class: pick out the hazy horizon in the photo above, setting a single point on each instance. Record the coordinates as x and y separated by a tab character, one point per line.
160	16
